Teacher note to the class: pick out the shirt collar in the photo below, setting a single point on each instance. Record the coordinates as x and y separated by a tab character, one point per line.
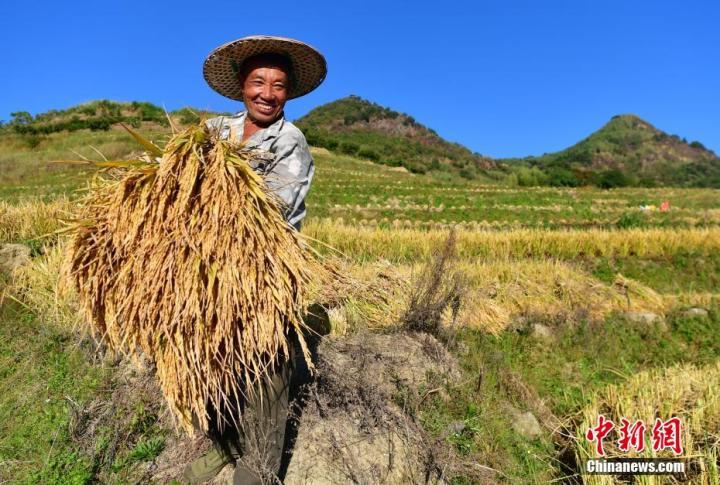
268	133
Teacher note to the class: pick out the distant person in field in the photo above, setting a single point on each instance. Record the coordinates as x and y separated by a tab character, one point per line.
263	72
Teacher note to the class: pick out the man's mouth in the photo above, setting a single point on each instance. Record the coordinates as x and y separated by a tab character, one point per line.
265	108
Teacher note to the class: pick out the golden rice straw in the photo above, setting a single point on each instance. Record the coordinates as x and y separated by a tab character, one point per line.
191	261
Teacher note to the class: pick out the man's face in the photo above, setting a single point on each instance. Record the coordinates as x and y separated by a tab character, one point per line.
265	90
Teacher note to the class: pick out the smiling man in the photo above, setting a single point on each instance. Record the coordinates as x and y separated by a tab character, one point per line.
263	72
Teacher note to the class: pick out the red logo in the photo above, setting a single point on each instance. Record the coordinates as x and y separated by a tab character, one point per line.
665	435
632	436
599	432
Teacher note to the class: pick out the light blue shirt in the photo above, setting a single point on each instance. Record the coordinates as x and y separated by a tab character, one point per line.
289	174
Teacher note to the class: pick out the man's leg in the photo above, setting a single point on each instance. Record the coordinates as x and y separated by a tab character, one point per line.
223	451
263	430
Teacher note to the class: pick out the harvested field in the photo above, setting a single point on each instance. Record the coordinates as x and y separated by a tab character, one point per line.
577	302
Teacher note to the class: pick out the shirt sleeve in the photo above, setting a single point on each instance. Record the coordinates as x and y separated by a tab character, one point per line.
291	174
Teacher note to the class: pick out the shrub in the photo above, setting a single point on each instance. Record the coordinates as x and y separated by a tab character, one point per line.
631	219
468	173
348	148
416	167
530	177
561	177
32	140
438	287
613	178
368	153
187	116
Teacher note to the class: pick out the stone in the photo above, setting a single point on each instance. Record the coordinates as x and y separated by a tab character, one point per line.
13	256
456	427
541	332
355	425
518	323
525	424
646	318
642	317
695	312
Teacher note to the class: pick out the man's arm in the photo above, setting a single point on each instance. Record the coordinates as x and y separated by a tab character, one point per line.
291	174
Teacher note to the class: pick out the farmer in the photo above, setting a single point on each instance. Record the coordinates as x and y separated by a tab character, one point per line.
263	72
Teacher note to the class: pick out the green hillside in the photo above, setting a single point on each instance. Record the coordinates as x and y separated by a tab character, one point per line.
98	115
628	151
355	126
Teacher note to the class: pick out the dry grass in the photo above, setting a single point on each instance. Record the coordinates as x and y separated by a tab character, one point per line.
413	244
37	285
498	293
438	289
191	261
32	219
686	391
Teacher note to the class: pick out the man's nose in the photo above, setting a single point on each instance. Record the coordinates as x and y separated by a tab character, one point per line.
267	92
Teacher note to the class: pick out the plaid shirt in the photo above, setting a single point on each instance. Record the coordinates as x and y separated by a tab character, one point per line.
289	174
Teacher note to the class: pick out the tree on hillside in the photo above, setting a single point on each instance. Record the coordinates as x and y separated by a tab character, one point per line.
21	118
613	178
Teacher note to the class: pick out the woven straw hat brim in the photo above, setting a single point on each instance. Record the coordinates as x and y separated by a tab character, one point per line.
220	67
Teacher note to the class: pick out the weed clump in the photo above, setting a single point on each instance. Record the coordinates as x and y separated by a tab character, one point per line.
438	288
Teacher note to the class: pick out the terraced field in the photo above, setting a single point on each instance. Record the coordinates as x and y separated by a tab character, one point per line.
575	300
358	192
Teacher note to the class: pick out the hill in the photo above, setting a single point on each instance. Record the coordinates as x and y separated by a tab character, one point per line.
99	115
355	126
630	151
627	151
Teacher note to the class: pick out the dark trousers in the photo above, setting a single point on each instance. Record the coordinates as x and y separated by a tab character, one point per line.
257	437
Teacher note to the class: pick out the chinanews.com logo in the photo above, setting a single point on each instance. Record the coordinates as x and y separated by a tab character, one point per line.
664	435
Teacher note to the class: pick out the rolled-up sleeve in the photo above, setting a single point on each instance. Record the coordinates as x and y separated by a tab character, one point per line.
291	174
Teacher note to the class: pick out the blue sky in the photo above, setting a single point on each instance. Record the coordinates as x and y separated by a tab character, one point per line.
505	78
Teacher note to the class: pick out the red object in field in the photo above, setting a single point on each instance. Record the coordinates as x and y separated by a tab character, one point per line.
599	432
665	206
667	435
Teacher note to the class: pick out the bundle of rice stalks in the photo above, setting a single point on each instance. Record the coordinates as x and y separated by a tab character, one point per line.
190	261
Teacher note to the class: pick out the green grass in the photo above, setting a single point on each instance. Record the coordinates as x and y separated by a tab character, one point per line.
675	273
27	171
43	374
48	378
359	191
564	375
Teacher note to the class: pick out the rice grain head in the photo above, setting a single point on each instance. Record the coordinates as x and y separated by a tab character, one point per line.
191	262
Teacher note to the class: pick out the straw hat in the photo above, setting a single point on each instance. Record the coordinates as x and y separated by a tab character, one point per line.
222	65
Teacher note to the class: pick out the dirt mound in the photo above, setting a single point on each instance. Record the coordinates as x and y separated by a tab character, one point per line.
356	419
356	426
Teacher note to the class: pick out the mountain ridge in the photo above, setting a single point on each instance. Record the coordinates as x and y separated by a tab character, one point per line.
626	151
356	126
630	151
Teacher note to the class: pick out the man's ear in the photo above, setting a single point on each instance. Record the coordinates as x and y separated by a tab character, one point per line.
241	80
